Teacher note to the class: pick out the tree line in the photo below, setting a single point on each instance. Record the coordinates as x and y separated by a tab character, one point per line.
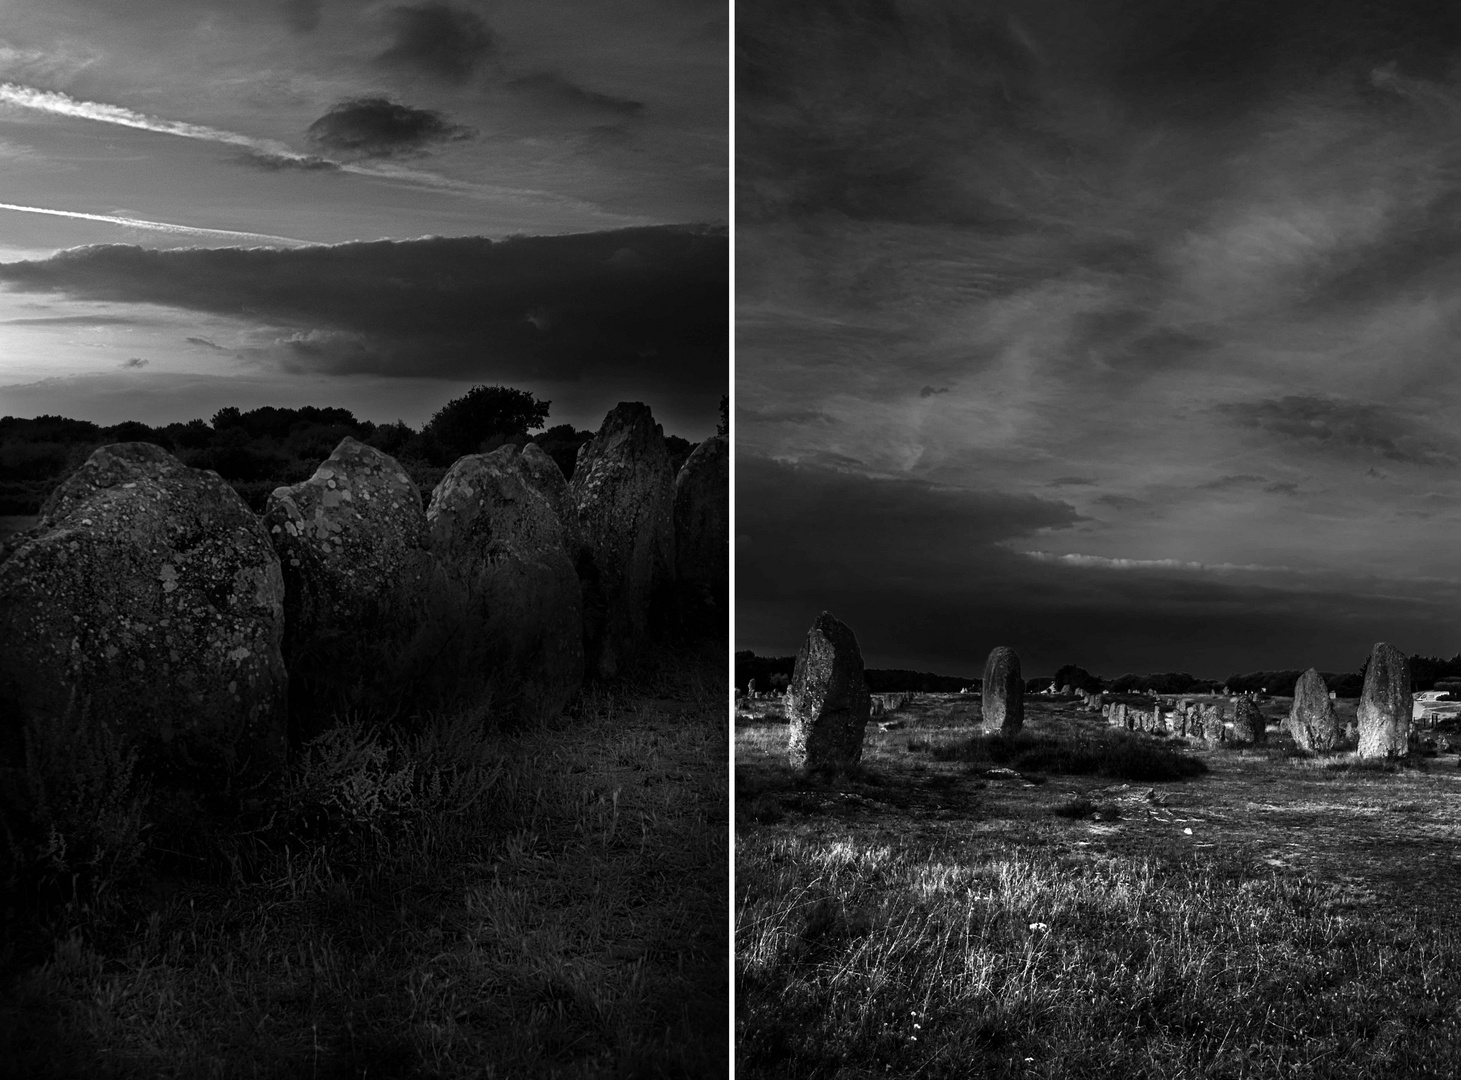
260	449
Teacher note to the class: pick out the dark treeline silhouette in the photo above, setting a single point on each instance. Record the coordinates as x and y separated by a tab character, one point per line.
1426	673
261	449
770	671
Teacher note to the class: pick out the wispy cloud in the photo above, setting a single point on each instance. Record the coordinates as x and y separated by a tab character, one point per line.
59	104
270	153
1101	562
155	226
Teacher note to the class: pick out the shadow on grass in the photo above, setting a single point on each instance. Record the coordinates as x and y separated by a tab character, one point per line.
1118	756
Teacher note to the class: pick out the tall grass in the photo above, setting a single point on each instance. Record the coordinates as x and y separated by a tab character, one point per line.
884	959
451	899
1116	754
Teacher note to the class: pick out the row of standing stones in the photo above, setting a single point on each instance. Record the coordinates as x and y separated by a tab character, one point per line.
828	705
149	598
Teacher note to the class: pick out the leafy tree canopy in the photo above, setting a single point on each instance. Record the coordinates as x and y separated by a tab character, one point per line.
484	412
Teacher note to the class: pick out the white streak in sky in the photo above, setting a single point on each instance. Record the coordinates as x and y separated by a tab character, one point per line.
156	226
59	104
51	101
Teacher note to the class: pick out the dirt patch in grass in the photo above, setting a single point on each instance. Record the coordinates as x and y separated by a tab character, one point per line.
944	915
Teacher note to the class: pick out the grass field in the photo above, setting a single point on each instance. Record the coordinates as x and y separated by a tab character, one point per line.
560	911
947	911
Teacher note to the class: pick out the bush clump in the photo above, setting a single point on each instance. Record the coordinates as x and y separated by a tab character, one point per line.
1118	756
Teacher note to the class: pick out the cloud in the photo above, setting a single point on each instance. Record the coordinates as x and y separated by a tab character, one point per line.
280	162
443	307
377	127
558	94
747	415
1222	483
302	15
1072	481
205	343
1101	562
1344	427
929	391
134	362
439	40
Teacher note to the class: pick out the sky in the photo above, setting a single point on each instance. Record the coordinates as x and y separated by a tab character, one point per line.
373	205
1125	333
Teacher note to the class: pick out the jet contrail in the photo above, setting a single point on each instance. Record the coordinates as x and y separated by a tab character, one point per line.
157	226
60	104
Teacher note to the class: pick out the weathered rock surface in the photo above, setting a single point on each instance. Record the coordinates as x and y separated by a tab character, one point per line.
1003	701
1211	723
828	701
354	551
1249	724
1385	704
517	623
545	475
702	536
148	598
620	505
1312	720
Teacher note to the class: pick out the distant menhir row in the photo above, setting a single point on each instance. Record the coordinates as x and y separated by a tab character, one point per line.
828	705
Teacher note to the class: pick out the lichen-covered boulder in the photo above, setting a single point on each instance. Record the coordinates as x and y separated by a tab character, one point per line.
702	536
620	508
828	701
544	474
1385	704
147	598
1003	701
1312	720
517	625
1211	723
1249	723
354	551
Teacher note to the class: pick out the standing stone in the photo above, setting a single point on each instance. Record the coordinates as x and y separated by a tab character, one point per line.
518	625
1249	724
354	551
620	505
1312	720
1116	717
829	700
1177	722
147	598
1003	701
702	536
1211	721
540	470
1385	704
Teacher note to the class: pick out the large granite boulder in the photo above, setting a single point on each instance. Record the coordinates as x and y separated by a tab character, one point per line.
619	507
516	620
828	701
1003	702
702	536
147	598
1312	720
355	553
1249	723
1385	704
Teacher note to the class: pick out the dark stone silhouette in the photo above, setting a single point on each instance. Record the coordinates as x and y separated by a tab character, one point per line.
619	507
828	702
1249	724
702	536
147	598
354	551
1003	701
514	604
1312	720
1385	704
